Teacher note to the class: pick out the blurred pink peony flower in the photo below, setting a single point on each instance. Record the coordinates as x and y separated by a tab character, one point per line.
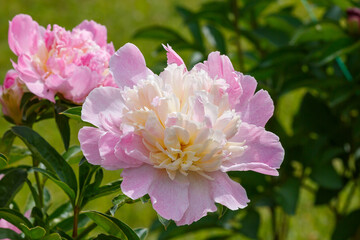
177	134
56	61
353	20
11	93
5	224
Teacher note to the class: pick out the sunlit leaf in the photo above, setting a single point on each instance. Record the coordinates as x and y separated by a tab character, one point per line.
33	233
73	113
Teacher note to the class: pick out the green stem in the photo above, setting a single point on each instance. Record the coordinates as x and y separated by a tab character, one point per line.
76	220
273	221
34	194
86	231
38	184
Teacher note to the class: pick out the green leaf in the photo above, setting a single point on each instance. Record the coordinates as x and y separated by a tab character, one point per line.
6	142
3	161
67	224
165	222
62	122
33	233
93	192
112	225
43	151
6	233
106	237
69	191
192	22
325	31
326	176
73	154
215	37
14	217
337	49
10	184
250	224
274	36
62	211
53	236
86	171
141	232
17	153
288	195
120	200
73	113
324	196
145	198
158	33
347	226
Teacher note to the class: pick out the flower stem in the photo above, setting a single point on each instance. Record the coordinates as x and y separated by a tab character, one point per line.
38	184
76	219
273	220
86	231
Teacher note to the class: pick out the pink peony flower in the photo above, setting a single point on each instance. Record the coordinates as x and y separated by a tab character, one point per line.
353	20
56	61
177	134
7	225
11	93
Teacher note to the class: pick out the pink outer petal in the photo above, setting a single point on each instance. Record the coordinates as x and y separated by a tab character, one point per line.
264	152
259	109
132	151
136	181
80	83
24	35
107	143
200	199
103	108
32	79
89	142
172	56
228	192
99	31
169	197
220	66
128	66
248	85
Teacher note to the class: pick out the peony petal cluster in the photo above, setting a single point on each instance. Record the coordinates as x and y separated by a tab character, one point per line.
11	93
177	134
54	61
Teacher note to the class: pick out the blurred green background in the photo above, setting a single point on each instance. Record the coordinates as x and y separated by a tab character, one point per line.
303	52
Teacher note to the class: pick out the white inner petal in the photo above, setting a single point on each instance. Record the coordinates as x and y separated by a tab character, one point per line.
185	121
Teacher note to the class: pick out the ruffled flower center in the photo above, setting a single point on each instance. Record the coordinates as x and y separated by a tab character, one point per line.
184	119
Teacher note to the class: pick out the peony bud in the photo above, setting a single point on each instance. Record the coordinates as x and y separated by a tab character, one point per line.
353	20
11	93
